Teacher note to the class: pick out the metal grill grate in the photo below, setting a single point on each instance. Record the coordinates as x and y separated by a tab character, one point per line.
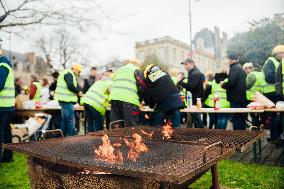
169	161
239	140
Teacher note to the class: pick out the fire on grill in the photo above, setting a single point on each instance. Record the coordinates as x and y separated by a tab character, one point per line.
128	158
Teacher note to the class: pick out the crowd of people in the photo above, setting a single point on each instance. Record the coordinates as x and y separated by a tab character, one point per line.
129	87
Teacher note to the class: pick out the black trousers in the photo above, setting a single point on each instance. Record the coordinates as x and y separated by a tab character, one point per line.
5	135
124	111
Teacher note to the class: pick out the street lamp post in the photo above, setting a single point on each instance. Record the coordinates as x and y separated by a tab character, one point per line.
190	24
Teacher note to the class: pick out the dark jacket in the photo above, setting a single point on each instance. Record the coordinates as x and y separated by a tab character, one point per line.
279	81
236	85
162	94
52	88
194	84
68	78
88	83
269	71
3	76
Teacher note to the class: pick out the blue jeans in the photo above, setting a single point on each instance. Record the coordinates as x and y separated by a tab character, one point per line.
221	121
173	115
67	118
5	135
238	120
196	120
95	119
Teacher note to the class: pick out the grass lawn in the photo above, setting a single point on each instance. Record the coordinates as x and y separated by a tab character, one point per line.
232	175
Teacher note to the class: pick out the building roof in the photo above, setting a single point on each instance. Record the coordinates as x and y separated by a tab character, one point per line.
166	39
207	36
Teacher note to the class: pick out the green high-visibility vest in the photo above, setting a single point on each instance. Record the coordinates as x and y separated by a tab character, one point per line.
258	86
37	97
217	90
183	92
282	75
7	94
269	88
124	85
175	80
209	101
62	93
98	95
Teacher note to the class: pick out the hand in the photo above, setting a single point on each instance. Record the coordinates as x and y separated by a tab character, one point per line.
80	94
180	77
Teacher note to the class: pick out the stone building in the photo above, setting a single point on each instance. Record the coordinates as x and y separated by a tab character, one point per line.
172	52
25	64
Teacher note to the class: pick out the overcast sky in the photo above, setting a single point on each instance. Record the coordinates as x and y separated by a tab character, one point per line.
147	19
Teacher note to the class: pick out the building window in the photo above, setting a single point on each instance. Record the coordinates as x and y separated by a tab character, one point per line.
152	52
182	55
174	55
141	56
161	54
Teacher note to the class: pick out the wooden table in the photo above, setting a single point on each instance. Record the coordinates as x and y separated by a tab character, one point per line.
273	110
211	110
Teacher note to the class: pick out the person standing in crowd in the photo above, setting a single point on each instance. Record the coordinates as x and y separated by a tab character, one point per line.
127	92
182	93
96	102
194	84
35	89
269	69
52	86
209	78
45	94
91	80
236	91
166	100
255	82
276	130
174	73
7	106
67	93
212	90
18	86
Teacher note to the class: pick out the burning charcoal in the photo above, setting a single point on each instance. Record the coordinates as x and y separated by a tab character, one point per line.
150	135
167	130
135	147
106	151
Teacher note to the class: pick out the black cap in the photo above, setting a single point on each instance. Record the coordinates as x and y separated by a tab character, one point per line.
188	60
233	56
107	69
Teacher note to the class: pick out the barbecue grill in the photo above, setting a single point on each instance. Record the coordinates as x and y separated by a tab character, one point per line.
71	162
238	139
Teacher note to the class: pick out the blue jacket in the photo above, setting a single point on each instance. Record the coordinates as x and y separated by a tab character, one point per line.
3	76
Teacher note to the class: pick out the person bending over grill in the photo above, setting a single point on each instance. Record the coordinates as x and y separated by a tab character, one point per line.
126	93
162	94
96	102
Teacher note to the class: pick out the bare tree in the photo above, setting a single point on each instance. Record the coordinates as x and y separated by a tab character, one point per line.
66	47
82	14
45	46
61	49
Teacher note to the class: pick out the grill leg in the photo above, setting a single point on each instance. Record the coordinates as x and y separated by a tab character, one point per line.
254	153
215	180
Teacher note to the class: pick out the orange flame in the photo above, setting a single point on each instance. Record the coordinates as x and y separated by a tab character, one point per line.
150	135
135	147
107	152
167	130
